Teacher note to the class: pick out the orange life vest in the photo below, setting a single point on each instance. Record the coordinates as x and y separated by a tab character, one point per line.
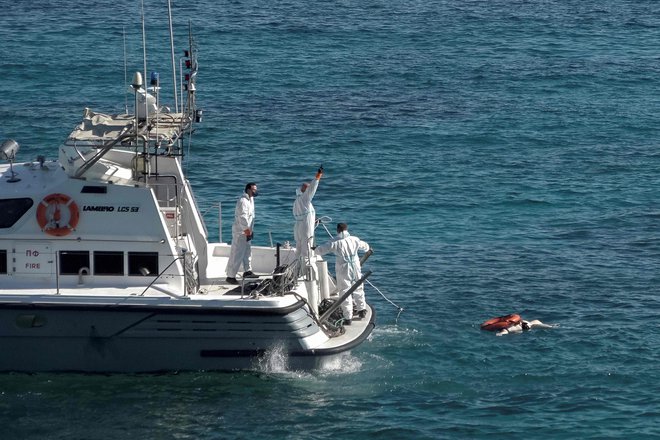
501	323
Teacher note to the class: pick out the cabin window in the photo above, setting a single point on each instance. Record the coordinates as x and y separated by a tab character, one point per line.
143	263
3	261
108	263
89	189
73	261
12	210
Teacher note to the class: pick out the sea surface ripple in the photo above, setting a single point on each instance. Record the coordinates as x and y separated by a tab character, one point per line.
500	156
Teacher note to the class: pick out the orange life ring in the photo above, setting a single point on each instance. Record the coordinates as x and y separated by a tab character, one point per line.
501	322
52	219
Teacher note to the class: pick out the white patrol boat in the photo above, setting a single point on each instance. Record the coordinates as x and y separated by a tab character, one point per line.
105	264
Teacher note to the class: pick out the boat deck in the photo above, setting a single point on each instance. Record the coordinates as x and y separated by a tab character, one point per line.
355	333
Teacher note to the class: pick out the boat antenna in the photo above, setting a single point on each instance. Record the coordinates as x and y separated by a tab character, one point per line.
123	31
191	84
176	101
145	143
144	44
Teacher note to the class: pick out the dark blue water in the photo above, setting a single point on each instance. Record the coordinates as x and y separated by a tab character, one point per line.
500	156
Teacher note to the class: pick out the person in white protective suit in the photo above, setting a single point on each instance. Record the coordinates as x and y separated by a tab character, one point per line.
347	269
305	215
241	235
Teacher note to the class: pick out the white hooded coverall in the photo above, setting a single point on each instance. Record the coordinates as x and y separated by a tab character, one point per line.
241	249
305	215
347	269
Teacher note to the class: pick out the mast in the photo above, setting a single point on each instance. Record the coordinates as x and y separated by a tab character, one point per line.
176	100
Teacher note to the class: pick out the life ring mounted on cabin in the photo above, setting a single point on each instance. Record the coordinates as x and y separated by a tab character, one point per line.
57	214
501	323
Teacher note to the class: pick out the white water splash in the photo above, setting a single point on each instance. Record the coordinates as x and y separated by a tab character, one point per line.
342	364
275	360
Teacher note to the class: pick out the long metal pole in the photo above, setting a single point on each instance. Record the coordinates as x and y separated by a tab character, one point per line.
144	57
145	145
366	256
350	291
57	273
220	222
125	71
176	100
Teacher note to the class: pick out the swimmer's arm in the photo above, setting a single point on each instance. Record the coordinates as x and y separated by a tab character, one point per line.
538	324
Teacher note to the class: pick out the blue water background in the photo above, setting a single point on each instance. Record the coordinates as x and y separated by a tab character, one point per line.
500	156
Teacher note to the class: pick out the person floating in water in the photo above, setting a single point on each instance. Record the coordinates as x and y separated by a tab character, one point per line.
504	325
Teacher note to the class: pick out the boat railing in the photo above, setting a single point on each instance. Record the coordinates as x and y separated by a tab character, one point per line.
188	284
166	189
102	152
168	194
83	276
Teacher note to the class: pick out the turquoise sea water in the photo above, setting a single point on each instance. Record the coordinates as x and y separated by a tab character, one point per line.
500	156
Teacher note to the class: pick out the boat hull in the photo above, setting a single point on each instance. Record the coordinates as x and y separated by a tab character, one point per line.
133	339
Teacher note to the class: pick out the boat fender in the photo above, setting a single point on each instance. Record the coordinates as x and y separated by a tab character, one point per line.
501	323
50	217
